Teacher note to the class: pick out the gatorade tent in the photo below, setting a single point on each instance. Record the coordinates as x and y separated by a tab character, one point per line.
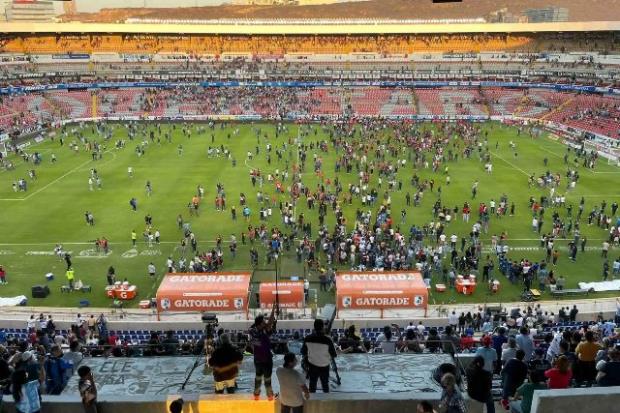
381	291
290	294
214	292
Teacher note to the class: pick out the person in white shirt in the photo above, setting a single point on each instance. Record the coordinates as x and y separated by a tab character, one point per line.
453	319
31	323
421	328
293	389
386	341
79	320
42	322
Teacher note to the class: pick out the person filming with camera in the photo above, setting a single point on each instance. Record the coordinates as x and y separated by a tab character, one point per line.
260	335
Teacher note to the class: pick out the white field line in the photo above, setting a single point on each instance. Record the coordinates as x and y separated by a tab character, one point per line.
75	169
511	164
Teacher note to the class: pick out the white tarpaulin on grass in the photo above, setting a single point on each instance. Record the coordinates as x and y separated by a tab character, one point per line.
599	286
12	301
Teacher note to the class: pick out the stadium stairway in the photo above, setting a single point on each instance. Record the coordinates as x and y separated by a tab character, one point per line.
558	109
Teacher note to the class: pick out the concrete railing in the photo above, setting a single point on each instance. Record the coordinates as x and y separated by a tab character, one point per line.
593	399
596	399
318	403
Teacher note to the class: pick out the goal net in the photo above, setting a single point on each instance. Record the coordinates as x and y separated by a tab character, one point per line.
610	153
613	156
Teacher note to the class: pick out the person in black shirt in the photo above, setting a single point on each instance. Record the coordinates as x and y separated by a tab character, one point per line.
318	350
433	341
609	371
479	382
225	361
513	375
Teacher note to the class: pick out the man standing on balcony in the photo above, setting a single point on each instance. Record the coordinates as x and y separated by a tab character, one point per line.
319	350
293	388
260	334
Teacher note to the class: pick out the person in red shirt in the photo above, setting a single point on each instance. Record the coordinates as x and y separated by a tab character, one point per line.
2	275
560	375
467	342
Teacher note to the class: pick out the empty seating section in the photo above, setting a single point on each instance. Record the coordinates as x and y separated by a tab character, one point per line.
266	45
594	113
74	104
325	101
119	102
451	102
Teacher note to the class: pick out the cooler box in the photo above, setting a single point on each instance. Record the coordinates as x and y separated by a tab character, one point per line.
109	291
128	294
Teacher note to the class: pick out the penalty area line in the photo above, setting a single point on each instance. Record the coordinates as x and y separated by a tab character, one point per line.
510	163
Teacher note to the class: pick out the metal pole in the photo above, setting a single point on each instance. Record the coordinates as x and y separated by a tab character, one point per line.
277	256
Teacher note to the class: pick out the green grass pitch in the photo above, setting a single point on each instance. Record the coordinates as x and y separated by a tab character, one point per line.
52	210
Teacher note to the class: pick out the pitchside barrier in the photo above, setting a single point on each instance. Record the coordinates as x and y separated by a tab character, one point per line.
403	83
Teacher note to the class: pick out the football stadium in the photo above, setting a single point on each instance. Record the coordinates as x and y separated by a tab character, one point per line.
309	206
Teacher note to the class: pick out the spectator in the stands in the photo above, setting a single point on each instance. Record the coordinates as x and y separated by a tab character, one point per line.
586	355
606	345
386	340
293	389
59	338
539	361
560	375
487	353
319	351
526	392
30	363
225	361
74	356
510	351
55	371
154	347
421	328
176	406
499	338
88	389
449	341
425	407
451	398
609	371
433	341
453	319
411	342
351	342
525	343
170	343
467	342
25	392
513	375
479	382
294	345
572	315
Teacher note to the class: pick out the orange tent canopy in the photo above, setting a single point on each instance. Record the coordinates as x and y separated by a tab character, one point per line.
224	291
290	294
381	290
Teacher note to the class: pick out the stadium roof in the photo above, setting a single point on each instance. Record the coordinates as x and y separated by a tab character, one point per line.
293	29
